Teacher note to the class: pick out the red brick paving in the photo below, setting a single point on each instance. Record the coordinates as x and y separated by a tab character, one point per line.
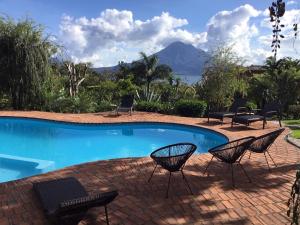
214	201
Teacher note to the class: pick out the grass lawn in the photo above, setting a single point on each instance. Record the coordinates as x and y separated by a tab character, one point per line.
295	132
292	122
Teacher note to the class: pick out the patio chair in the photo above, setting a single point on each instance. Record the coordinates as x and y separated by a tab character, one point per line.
262	144
126	104
173	158
65	201
231	153
237	107
269	110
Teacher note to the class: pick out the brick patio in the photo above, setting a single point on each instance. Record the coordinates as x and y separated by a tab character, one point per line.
214	201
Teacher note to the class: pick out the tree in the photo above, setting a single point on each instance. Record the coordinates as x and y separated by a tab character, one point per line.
24	61
76	75
148	70
221	82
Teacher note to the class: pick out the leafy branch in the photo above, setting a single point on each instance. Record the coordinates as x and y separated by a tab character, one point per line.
277	10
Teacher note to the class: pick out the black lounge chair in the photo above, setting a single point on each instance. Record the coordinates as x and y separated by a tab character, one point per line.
262	144
231	153
65	201
126	104
173	158
268	111
237	107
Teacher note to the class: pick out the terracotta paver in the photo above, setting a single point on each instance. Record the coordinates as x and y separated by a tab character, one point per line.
214	201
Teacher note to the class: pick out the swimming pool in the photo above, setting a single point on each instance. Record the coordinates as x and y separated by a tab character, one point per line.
33	146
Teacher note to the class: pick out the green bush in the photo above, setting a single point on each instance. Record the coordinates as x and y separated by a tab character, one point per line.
5	102
149	106
80	104
192	108
104	106
294	111
251	105
61	104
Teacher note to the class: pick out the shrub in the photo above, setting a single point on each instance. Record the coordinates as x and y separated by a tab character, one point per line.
251	105
61	104
104	106
4	102
294	111
149	106
192	108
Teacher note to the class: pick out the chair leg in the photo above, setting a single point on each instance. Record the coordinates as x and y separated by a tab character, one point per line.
167	194
267	161
245	172
232	176
152	173
271	158
106	215
264	123
208	119
208	165
279	122
184	178
242	156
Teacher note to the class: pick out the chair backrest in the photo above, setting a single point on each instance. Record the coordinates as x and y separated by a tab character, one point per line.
127	101
231	151
239	102
173	157
262	143
273	106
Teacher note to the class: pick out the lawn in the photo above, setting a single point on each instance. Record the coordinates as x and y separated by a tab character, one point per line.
295	132
292	122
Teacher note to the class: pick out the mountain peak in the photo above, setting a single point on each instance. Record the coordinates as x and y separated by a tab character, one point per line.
184	59
180	45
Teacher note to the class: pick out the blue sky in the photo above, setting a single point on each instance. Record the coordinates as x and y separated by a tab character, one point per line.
107	31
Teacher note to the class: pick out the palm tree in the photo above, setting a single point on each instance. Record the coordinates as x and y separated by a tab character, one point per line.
152	70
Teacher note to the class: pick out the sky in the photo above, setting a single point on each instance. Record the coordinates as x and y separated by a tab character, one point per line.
105	32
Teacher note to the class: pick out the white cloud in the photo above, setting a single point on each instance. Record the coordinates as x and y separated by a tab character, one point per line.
291	2
233	28
92	39
116	36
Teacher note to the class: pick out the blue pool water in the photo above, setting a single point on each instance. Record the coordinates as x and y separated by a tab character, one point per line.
32	146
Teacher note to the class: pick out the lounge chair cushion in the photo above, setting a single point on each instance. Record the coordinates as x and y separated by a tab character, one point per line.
52	193
245	119
221	115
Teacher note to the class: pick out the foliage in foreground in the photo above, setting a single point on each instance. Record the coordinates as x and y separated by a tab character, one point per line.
293	203
24	62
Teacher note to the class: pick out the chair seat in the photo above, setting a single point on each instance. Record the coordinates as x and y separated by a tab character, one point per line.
244	119
52	193
220	115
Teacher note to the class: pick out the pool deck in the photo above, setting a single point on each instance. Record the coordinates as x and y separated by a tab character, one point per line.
214	201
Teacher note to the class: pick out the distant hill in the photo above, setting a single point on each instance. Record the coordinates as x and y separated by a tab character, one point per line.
184	59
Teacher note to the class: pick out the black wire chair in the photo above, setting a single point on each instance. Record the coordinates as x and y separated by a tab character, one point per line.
173	158
262	144
231	153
